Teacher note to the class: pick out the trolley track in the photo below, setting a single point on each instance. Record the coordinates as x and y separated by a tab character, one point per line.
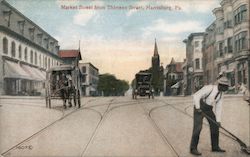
181	111
44	128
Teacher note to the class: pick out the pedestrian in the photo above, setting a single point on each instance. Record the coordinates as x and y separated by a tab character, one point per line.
204	100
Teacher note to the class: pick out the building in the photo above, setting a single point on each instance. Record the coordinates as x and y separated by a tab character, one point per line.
209	55
26	51
90	78
173	79
70	56
231	53
157	71
194	70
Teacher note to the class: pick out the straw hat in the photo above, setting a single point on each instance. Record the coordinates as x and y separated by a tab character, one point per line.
223	81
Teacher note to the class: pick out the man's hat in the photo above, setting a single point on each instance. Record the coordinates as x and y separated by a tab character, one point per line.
223	81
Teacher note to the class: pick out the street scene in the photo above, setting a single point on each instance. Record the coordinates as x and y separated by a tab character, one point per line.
96	78
115	126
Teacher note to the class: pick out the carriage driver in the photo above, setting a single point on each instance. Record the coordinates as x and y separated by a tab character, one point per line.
204	100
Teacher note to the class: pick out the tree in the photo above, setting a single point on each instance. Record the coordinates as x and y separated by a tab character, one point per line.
109	85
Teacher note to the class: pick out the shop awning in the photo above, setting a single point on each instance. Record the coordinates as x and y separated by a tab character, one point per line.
14	70
177	85
35	73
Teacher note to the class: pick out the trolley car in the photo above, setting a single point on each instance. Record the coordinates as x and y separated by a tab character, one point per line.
142	86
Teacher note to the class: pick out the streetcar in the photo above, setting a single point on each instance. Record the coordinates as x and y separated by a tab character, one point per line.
142	85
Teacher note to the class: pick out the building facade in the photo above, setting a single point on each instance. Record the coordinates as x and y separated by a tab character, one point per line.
90	78
173	77
193	65
231	54
26	51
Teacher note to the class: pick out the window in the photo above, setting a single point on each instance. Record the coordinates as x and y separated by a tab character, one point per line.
40	60
196	44
31	31
45	62
13	49
21	26
240	41
221	45
5	45
197	63
25	54
20	52
35	58
230	45
83	69
39	38
31	56
48	62
240	14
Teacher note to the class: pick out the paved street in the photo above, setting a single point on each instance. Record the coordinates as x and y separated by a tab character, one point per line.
114	126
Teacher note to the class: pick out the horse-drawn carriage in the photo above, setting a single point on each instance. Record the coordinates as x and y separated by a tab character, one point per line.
142	85
63	82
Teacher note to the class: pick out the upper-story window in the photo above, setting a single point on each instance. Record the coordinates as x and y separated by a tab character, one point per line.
32	33
240	14
20	52
83	69
221	45
240	42
40	60
21	26
48	62
228	24
13	49
196	44
46	43
31	56
197	63
5	45
35	58
40	38
6	15
25	54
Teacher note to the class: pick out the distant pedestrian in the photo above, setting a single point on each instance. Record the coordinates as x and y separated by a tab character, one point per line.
204	100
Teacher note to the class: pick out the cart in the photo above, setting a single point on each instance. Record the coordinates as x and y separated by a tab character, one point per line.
63	82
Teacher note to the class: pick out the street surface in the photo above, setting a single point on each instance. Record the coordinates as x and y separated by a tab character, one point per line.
114	126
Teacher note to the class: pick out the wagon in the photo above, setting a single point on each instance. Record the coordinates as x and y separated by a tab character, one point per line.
142	85
63	82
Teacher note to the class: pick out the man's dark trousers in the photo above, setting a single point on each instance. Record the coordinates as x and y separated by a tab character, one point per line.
198	120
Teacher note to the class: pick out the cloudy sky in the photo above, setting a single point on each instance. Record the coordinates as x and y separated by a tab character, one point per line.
121	41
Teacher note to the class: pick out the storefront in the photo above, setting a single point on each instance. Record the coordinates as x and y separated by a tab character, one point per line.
20	79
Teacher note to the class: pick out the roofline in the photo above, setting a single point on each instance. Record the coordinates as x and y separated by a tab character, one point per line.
26	18
90	65
25	40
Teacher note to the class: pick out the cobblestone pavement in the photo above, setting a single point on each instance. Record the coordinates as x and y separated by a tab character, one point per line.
114	126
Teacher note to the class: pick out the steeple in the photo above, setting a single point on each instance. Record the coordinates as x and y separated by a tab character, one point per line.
156	49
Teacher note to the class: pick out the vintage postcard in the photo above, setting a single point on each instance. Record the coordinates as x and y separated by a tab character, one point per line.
124	78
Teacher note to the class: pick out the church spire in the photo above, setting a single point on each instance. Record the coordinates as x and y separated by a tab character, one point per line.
156	49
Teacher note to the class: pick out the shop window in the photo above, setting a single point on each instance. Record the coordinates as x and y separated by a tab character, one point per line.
13	49
5	45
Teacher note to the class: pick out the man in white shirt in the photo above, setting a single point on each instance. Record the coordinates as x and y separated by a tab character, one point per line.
204	100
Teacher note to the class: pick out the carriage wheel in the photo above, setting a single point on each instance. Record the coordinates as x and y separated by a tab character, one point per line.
79	99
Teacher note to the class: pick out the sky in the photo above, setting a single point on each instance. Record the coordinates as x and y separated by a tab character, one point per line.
121	41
